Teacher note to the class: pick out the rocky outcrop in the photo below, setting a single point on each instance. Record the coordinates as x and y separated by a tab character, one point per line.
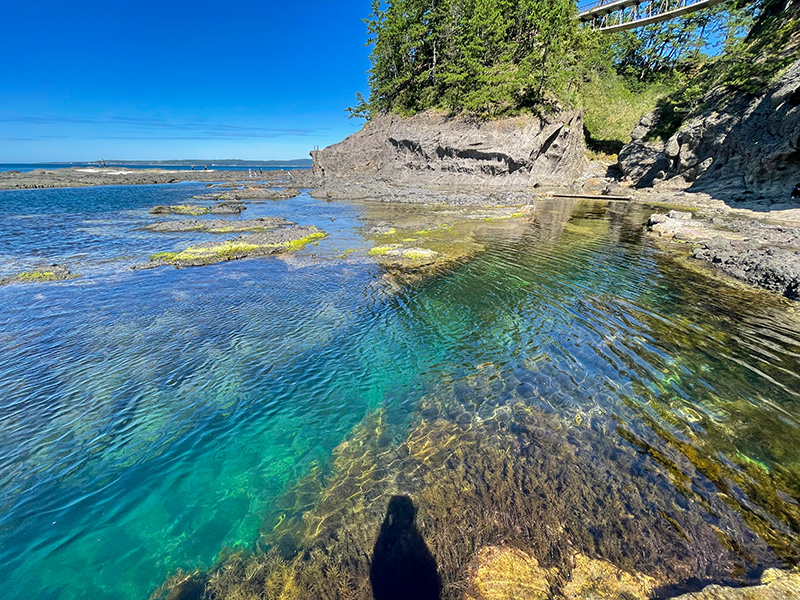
433	148
243	246
766	256
47	273
738	146
227	208
219	225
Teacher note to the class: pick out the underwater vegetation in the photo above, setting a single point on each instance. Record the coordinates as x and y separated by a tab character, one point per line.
488	466
616	460
412	245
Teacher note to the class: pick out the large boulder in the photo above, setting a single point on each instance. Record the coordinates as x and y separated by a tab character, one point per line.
431	147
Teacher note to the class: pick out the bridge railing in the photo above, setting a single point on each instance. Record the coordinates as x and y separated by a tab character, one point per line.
590	6
618	15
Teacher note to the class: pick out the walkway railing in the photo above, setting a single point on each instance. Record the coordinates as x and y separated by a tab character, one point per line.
618	15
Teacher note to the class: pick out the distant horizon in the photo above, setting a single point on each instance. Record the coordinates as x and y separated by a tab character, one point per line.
241	161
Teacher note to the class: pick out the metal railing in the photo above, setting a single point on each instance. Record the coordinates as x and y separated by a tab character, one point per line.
619	15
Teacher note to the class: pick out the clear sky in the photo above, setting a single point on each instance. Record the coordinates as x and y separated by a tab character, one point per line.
161	79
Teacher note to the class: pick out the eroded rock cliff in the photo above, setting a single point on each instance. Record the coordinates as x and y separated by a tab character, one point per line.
432	148
739	146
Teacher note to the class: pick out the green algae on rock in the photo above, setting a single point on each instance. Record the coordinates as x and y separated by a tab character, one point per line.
414	243
219	225
180	209
244	246
50	273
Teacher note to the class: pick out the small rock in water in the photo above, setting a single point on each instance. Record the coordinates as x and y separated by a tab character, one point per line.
47	273
228	208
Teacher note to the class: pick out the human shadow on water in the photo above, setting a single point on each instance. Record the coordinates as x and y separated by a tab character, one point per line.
402	566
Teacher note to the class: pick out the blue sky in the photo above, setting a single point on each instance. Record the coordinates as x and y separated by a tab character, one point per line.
164	79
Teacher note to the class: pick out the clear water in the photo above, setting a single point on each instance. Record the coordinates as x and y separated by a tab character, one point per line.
150	419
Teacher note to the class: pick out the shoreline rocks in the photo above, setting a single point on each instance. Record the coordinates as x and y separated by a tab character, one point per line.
740	148
762	255
83	177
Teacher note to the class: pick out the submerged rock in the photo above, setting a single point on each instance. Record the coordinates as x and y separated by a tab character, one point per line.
243	246
49	273
219	225
500	573
775	585
601	580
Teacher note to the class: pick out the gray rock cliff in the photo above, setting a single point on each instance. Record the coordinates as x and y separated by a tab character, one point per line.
742	146
432	148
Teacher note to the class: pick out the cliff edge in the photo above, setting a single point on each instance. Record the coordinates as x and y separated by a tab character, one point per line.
431	148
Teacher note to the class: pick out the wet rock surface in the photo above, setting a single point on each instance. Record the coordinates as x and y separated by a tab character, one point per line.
41	274
219	225
243	246
759	254
775	585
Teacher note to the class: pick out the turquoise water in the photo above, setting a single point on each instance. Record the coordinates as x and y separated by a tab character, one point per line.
150	419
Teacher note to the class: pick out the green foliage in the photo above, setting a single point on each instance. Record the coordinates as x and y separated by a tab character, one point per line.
487	57
748	65
613	106
646	53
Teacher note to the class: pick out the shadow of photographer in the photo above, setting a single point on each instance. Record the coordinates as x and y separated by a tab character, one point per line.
403	567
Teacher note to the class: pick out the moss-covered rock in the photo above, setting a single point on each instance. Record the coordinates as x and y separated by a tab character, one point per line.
247	245
180	209
49	273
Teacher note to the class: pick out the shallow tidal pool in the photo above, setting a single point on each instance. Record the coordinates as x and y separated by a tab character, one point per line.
565	386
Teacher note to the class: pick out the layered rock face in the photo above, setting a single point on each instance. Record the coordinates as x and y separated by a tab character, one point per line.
432	148
751	145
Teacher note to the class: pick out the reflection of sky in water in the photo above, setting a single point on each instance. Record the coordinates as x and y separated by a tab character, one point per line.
150	418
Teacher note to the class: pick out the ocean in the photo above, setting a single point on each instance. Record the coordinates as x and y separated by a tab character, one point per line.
164	419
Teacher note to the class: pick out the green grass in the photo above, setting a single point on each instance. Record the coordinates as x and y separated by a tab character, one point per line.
613	107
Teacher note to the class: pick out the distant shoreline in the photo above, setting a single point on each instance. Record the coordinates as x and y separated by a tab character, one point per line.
178	165
92	175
